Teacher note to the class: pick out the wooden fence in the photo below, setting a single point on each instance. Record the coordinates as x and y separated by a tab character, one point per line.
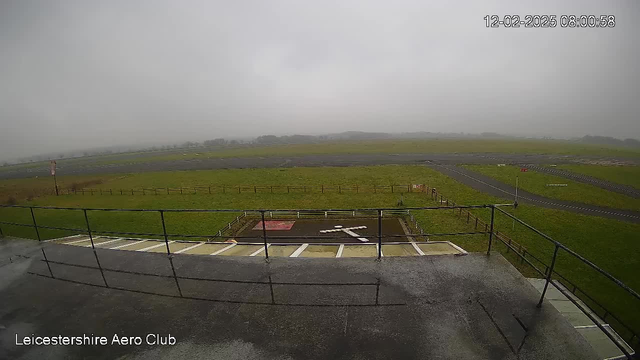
241	189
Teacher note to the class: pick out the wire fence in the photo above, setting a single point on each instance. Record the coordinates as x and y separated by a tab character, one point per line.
542	268
243	189
549	272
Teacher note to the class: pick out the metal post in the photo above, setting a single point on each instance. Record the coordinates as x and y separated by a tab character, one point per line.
493	211
379	234
264	236
86	219
1	233
55	183
164	231
35	225
209	189
546	284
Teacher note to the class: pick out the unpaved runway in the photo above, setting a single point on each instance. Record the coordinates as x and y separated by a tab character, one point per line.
494	187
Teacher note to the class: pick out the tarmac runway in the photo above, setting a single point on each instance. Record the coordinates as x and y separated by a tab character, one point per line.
87	168
494	187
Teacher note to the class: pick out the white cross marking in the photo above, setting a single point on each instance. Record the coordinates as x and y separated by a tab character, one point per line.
348	231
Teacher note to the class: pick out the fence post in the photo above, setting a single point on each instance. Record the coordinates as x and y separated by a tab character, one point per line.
35	225
476	223
155	191
264	236
468	215
493	211
271	188
1	233
181	190
131	191
322	188
254	189
164	231
391	188
546	284
111	191
379	234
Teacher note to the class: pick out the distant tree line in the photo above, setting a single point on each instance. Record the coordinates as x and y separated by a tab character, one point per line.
607	140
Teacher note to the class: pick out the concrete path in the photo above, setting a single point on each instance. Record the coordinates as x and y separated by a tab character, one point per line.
494	187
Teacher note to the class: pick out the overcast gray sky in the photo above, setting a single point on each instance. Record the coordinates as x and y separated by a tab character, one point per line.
76	74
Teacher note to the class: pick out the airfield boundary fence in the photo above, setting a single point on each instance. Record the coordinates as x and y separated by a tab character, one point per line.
548	271
243	189
629	335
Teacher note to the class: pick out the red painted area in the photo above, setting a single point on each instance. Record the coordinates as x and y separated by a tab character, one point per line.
274	225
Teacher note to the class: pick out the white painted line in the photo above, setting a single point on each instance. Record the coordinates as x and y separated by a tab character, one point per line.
299	250
589	326
189	248
125	245
462	251
104	242
356	236
223	249
415	246
77	241
343	229
260	250
155	246
340	250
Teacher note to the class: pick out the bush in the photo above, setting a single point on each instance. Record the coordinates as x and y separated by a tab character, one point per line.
11	200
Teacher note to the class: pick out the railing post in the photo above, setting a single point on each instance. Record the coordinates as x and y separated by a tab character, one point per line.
86	219
379	234
264	236
546	284
35	225
1	233
164	231
493	212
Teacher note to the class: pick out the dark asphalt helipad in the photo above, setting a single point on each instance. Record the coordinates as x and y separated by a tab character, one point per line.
438	307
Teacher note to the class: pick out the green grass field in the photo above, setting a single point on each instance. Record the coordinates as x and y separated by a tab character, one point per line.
359	147
397	146
535	182
603	241
626	175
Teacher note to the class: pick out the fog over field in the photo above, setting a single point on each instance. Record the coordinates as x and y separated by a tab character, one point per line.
80	74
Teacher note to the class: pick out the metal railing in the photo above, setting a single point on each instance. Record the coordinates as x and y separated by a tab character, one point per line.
632	338
377	213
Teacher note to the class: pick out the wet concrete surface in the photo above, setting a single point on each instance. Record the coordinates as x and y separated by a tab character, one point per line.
438	307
